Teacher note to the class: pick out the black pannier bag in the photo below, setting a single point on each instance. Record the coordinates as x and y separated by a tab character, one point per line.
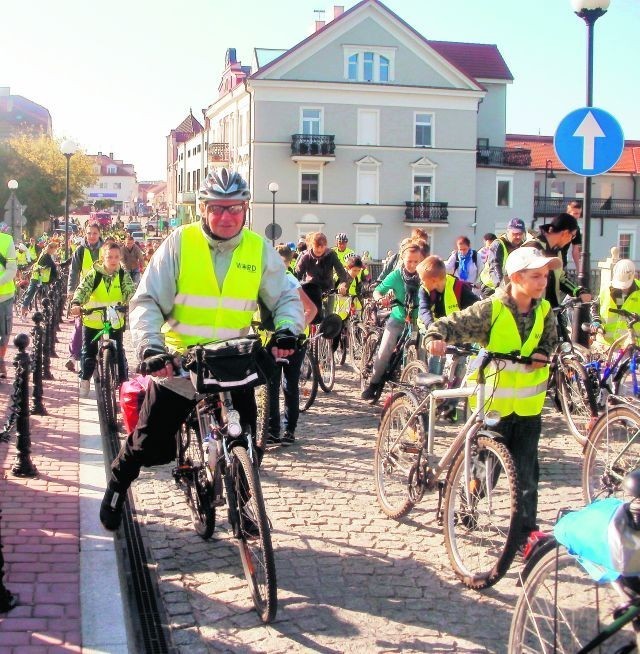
226	366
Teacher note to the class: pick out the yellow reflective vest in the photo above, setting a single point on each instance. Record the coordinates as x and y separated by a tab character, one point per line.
516	388
41	273
485	275
87	262
202	311
103	297
344	254
5	243
614	325
451	304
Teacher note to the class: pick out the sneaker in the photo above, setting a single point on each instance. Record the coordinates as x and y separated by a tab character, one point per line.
70	365
84	388
3	369
274	439
288	438
111	508
371	392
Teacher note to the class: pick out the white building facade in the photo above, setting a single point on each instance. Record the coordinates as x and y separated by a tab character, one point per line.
116	182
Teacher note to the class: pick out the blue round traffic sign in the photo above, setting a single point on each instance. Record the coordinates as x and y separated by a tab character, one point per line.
589	141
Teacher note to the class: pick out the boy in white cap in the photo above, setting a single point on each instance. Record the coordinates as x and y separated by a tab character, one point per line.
515	318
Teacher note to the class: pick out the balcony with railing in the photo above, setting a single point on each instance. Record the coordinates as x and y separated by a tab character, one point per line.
600	207
218	152
426	212
313	146
503	157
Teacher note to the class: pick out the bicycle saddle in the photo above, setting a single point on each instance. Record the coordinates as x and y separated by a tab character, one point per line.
428	380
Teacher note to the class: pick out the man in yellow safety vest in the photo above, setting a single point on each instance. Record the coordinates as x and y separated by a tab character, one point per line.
515	319
8	269
202	285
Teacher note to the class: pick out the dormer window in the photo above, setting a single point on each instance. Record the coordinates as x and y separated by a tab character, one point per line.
369	63
111	169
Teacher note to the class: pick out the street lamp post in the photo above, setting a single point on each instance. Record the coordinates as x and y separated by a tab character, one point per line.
68	149
273	188
589	11
548	174
13	185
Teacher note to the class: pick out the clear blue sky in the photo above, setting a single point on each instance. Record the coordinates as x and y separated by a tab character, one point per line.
117	76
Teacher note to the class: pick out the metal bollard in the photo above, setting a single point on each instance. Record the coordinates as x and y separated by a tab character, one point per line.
51	323
19	412
46	343
8	601
37	333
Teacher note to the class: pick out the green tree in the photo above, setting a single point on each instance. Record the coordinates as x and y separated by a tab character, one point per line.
39	166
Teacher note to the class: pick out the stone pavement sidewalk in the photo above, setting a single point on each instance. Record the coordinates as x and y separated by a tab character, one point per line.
58	561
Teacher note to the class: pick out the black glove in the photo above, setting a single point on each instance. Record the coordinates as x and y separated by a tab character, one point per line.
154	360
283	339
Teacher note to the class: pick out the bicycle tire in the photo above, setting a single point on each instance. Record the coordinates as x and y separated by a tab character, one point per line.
577	399
394	463
308	382
561	607
369	349
354	344
623	380
343	345
263	402
196	484
482	542
108	381
413	368
602	470
256	551
326	365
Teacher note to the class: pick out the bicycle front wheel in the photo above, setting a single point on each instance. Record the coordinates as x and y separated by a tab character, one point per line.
369	349
396	457
481	526
412	370
254	535
108	383
561	609
263	398
308	382
577	398
326	364
355	340
626	381
612	451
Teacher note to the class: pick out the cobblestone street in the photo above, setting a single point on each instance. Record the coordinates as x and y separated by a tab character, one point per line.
349	579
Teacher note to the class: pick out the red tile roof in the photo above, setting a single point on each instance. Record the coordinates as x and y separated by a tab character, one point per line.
542	150
477	60
190	125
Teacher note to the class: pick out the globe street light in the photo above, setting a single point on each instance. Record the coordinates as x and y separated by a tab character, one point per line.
273	188
589	11
12	185
68	148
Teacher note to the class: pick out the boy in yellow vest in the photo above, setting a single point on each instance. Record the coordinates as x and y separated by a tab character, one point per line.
104	285
516	318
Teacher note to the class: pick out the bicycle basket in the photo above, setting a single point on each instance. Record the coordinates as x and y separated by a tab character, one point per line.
225	366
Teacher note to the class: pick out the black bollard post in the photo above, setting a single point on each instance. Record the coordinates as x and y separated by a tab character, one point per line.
22	466
53	339
37	333
46	343
7	600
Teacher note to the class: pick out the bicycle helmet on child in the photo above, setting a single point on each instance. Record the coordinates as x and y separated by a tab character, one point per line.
341	237
224	185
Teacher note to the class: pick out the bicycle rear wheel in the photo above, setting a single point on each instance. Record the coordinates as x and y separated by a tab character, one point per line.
254	535
355	340
561	609
480	534
326	364
308	382
577	398
194	480
396	459
412	369
612	451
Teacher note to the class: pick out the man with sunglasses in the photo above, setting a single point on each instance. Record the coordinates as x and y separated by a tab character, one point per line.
553	236
202	285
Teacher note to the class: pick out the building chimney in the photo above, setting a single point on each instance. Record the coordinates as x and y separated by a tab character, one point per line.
110	155
99	154
338	10
319	25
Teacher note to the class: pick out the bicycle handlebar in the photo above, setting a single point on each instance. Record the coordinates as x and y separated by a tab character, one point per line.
103	310
629	316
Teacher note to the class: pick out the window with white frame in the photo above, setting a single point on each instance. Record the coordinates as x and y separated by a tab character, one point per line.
627	244
504	191
368	127
369	63
580	189
112	170
311	120
309	187
117	186
368	182
422	185
557	189
423	135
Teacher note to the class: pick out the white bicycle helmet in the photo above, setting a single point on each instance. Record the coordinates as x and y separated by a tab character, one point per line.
224	185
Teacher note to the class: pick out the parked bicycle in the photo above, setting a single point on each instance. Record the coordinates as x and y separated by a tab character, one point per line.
563	609
217	461
475	479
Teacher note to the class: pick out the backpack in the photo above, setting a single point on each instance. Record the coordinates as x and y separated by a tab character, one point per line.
98	278
474	258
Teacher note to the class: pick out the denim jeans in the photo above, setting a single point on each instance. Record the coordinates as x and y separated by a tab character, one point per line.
291	391
30	293
90	351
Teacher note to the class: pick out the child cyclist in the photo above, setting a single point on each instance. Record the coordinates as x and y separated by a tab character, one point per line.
403	283
516	319
104	285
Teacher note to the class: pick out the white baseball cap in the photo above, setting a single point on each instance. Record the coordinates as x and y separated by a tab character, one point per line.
526	258
624	272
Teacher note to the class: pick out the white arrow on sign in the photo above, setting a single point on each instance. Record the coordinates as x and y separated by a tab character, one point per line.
589	130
